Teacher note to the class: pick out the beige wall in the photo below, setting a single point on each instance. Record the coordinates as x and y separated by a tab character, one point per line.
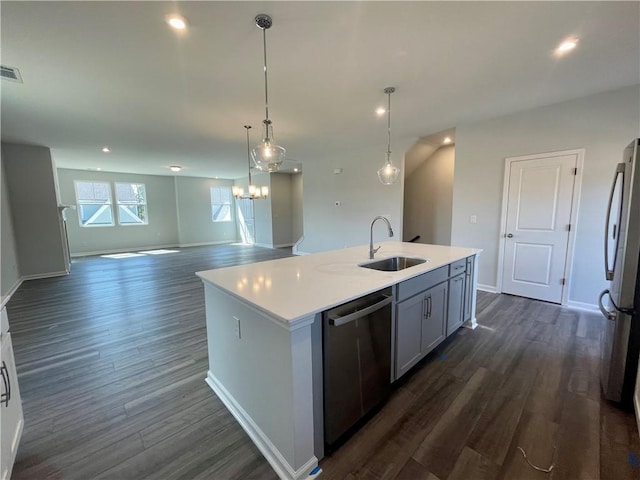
10	275
602	124
30	184
428	199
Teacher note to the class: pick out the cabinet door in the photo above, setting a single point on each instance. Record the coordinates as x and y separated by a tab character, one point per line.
456	301
10	409
408	333
468	289
434	320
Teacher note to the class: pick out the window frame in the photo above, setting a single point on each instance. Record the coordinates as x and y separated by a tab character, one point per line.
227	190
118	203
79	204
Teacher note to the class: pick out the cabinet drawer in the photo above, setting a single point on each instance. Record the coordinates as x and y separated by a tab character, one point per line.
458	267
421	283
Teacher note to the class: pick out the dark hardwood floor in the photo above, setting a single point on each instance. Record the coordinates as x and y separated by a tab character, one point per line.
112	359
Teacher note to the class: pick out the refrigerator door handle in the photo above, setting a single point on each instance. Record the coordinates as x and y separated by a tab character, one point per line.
609	271
611	315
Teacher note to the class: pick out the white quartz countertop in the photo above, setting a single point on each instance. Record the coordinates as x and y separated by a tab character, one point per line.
296	287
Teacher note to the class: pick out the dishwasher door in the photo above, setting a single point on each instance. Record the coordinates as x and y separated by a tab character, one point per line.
357	361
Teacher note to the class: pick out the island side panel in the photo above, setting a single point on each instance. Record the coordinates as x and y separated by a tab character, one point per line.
473	323
266	375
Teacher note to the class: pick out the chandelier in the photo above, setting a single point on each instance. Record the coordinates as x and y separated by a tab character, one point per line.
254	191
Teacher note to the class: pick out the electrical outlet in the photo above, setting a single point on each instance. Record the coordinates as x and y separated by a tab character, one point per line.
473	219
236	327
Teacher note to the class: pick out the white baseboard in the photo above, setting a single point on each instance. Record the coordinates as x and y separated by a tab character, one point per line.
582	306
12	290
487	288
121	250
38	276
268	449
283	245
204	244
263	245
296	247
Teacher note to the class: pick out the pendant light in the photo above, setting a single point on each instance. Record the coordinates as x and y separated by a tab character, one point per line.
254	191
388	174
268	155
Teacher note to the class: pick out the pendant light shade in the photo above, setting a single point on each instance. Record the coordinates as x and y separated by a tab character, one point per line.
388	173
268	155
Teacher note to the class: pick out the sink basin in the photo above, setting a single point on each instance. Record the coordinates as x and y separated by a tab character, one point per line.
393	264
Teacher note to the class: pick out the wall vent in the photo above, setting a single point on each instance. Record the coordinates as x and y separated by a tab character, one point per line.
10	73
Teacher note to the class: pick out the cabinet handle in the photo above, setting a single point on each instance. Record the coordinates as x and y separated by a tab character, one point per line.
427	314
5	397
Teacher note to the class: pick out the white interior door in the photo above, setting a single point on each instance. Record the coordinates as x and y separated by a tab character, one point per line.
538	217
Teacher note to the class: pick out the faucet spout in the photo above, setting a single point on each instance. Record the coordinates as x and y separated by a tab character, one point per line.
372	250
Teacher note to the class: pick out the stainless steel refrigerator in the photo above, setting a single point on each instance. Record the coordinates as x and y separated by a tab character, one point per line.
620	303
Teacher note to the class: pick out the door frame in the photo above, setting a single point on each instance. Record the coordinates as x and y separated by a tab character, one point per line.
575	205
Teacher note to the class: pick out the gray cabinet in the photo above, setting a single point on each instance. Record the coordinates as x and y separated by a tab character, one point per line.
408	333
421	323
429	308
434	319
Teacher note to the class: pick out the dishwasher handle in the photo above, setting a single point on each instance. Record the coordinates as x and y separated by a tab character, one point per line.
337	321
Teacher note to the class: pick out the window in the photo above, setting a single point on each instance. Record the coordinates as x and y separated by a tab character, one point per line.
94	204
132	204
221	204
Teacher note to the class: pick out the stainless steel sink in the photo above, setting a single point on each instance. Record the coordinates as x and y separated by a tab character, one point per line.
393	264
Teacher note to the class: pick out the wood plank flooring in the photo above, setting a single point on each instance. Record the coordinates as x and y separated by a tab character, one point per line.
112	359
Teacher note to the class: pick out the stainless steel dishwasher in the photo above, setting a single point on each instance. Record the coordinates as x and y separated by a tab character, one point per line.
357	361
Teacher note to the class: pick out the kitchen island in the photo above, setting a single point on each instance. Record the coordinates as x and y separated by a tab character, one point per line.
264	332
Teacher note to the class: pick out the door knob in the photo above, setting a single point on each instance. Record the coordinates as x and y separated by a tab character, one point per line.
509	235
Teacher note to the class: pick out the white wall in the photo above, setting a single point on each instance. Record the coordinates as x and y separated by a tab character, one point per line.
297	210
602	124
162	229
281	209
195	224
30	183
428	199
262	213
10	271
360	193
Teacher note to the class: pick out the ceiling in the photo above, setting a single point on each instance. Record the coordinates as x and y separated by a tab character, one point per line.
114	74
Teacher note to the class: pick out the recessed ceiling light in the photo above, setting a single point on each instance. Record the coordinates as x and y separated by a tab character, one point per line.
98	169
176	21
566	46
447	140
380	111
106	150
295	169
175	168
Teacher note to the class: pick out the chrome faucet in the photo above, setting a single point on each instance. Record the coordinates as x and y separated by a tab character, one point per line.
372	250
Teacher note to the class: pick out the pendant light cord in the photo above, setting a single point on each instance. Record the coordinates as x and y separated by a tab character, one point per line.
266	93
389	129
248	154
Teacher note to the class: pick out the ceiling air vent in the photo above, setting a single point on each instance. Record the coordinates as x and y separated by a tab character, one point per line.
10	73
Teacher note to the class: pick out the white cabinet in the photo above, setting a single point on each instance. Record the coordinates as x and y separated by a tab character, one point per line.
11	418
